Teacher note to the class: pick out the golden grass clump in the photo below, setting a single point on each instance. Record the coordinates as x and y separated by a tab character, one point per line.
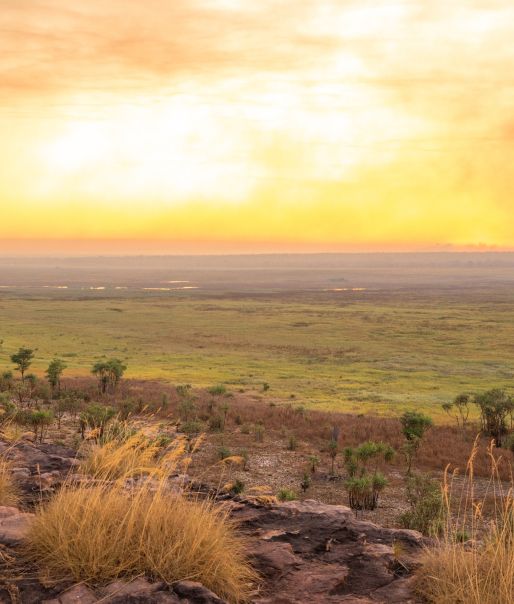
473	562
106	530
136	455
9	493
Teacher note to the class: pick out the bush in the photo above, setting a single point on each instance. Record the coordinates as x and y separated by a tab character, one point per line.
97	417
191	427
38	421
217	390
259	433
223	453
286	495
216	424
292	443
237	487
426	503
364	486
183	389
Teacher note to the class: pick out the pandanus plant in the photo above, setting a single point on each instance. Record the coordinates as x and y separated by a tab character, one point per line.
365	481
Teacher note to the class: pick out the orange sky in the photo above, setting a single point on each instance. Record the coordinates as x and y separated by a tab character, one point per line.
229	125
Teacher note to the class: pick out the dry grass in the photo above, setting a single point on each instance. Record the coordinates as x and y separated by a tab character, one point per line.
443	444
99	532
137	455
473	563
9	494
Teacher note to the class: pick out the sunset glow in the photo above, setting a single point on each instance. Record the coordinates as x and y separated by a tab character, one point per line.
226	125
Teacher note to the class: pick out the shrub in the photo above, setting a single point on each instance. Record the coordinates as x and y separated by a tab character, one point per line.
183	389
414	426
224	453
8	410
364	485
100	533
215	424
259	433
426	505
363	491
237	487
292	443
286	495
191	427
244	456
313	463
494	407
186	409
127	407
97	417
38	421
306	482
217	390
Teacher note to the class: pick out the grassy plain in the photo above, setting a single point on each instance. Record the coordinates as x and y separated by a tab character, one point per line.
359	351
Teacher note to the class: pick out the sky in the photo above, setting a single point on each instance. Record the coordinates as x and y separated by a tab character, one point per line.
229	125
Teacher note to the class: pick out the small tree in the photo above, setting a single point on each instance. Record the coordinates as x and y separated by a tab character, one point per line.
306	482
109	373
313	463
495	405
54	373
333	450
364	483
67	404
224	408
23	360
414	426
38	420
459	409
6	380
96	417
186	409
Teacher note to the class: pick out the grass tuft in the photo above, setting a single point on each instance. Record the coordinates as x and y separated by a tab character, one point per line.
106	530
9	494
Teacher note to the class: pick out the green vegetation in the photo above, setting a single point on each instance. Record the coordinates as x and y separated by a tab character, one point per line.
384	354
364	484
286	495
414	426
425	498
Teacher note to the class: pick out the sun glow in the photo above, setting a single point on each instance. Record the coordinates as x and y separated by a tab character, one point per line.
329	125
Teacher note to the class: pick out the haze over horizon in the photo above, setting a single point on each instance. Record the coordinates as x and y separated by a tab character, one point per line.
222	126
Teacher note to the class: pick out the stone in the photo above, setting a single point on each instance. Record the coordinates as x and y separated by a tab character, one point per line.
78	594
14	525
196	593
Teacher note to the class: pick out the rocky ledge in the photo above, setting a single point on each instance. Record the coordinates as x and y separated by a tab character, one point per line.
304	552
312	552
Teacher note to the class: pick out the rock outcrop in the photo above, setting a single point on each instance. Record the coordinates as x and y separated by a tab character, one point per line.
305	552
311	552
38	469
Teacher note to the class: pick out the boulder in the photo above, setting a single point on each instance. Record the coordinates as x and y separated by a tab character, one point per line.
14	525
